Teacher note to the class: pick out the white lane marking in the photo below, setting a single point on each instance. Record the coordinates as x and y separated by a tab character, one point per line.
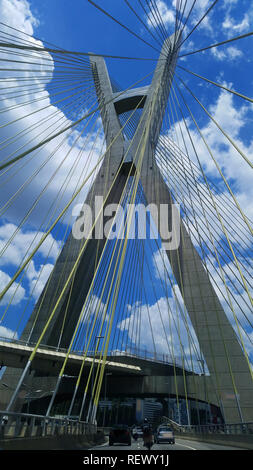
182	445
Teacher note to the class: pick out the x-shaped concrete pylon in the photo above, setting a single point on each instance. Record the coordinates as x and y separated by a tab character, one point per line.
218	342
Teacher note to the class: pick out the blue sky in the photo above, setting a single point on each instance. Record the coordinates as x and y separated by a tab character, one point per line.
78	26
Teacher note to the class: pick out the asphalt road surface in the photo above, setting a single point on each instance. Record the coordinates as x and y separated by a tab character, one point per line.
180	444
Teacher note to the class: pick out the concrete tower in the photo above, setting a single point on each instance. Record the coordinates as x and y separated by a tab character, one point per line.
227	365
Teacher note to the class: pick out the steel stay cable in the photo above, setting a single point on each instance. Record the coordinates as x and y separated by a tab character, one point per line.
218	85
36	124
229	364
179	305
146	131
218	44
77	182
30	159
89	113
142	22
36	100
53	69
66	358
132	265
222	197
188	16
159	21
219	127
67	258
136	274
79	104
102	369
185	320
40	144
121	24
107	302
231	372
43	190
56	81
208	207
94	280
43	56
202	190
52	226
198	23
67	282
7	96
28	35
157	300
225	259
107	327
51	218
182	16
136	293
30	178
218	214
177	15
183	317
73	278
214	280
88	54
176	197
206	182
108	297
153	13
72	169
205	235
147	14
102	257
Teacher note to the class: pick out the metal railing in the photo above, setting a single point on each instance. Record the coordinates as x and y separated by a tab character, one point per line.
234	428
18	425
130	352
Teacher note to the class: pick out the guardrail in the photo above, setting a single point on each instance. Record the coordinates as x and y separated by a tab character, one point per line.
18	425
234	428
132	352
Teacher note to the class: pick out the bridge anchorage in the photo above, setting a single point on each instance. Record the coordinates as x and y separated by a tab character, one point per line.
67	352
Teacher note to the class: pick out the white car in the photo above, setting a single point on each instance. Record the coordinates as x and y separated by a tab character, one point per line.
164	434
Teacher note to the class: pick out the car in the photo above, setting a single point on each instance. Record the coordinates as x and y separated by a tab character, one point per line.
120	434
137	432
164	434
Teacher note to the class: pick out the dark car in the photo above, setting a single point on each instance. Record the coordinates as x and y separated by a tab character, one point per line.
164	434
120	434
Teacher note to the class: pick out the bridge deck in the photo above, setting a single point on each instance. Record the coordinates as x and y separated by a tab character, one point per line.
15	354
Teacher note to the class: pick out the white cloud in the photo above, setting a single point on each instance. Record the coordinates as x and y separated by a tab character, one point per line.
167	14
55	170
15	294
7	333
23	243
17	13
231	27
230	53
38	278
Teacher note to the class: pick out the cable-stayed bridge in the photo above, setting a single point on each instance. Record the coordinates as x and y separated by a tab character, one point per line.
126	258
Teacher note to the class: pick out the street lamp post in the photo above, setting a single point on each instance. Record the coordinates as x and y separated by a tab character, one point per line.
91	411
106	375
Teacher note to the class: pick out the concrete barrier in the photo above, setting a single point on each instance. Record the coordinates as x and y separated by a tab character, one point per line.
66	442
233	440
